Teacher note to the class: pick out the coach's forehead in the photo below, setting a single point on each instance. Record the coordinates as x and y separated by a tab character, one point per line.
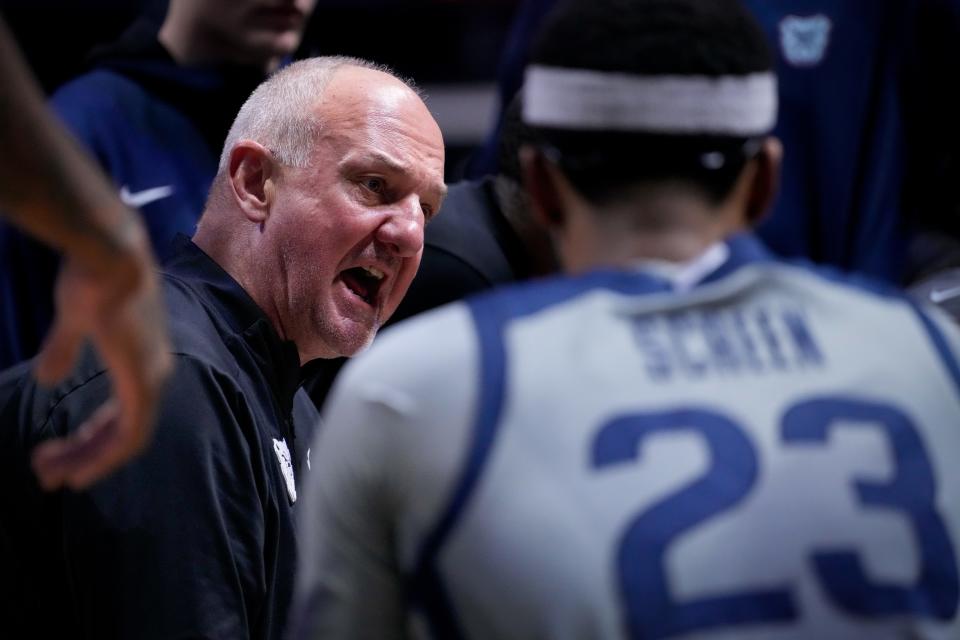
372	111
353	93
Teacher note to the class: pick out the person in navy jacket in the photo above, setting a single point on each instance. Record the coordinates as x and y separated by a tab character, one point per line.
154	110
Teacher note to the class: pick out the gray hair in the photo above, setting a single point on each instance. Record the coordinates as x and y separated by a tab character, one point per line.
279	113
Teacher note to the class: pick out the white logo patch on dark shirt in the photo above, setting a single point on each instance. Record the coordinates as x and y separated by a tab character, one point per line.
804	39
286	467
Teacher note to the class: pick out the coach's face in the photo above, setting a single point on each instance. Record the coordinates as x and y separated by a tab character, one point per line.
348	228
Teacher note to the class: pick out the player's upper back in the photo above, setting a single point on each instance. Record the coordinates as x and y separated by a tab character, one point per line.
769	455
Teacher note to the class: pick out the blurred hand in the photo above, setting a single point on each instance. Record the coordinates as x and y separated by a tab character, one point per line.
120	311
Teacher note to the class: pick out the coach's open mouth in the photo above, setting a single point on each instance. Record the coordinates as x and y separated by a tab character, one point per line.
365	282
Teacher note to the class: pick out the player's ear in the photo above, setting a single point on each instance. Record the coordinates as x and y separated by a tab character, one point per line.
766	179
540	181
252	169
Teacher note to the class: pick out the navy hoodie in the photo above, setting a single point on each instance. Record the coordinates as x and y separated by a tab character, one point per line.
157	129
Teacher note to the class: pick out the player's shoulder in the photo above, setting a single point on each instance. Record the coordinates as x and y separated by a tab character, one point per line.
830	277
421	372
865	308
859	291
97	91
418	379
423	344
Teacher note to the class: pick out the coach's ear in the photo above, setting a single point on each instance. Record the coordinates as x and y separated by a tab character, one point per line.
766	179
252	179
540	177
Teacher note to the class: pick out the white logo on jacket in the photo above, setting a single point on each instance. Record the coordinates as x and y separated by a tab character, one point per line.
286	467
804	39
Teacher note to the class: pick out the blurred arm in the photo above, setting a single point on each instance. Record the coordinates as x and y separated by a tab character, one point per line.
51	189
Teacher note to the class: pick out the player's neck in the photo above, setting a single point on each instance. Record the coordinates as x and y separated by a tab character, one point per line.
674	230
626	252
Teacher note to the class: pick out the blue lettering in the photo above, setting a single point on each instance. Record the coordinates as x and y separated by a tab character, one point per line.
808	352
722	352
751	357
770	338
681	325
655	356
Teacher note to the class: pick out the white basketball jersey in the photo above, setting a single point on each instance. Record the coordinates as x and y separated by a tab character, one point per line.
771	454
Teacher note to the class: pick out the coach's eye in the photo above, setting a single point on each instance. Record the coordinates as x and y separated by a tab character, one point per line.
376	185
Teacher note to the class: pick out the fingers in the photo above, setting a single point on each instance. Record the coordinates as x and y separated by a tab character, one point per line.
59	352
116	432
88	454
128	330
136	353
139	364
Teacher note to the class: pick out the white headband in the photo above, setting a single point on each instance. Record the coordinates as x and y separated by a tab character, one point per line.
580	99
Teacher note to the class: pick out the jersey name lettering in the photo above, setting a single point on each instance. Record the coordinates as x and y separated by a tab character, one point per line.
698	344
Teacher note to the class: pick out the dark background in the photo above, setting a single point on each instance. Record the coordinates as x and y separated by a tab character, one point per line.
449	47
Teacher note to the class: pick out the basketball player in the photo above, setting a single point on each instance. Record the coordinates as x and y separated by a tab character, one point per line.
681	436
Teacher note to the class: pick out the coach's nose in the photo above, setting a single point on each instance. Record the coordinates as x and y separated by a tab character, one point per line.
402	230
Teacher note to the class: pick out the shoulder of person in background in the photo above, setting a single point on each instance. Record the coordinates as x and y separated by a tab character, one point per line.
941	289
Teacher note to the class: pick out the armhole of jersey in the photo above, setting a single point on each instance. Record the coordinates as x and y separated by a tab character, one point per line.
425	587
939	342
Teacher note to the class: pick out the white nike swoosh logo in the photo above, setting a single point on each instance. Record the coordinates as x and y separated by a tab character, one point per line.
141	198
941	295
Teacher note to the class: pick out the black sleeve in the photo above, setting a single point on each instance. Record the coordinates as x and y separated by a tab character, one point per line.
171	546
931	129
442	278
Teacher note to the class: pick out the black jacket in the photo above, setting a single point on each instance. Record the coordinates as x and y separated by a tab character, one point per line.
195	538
